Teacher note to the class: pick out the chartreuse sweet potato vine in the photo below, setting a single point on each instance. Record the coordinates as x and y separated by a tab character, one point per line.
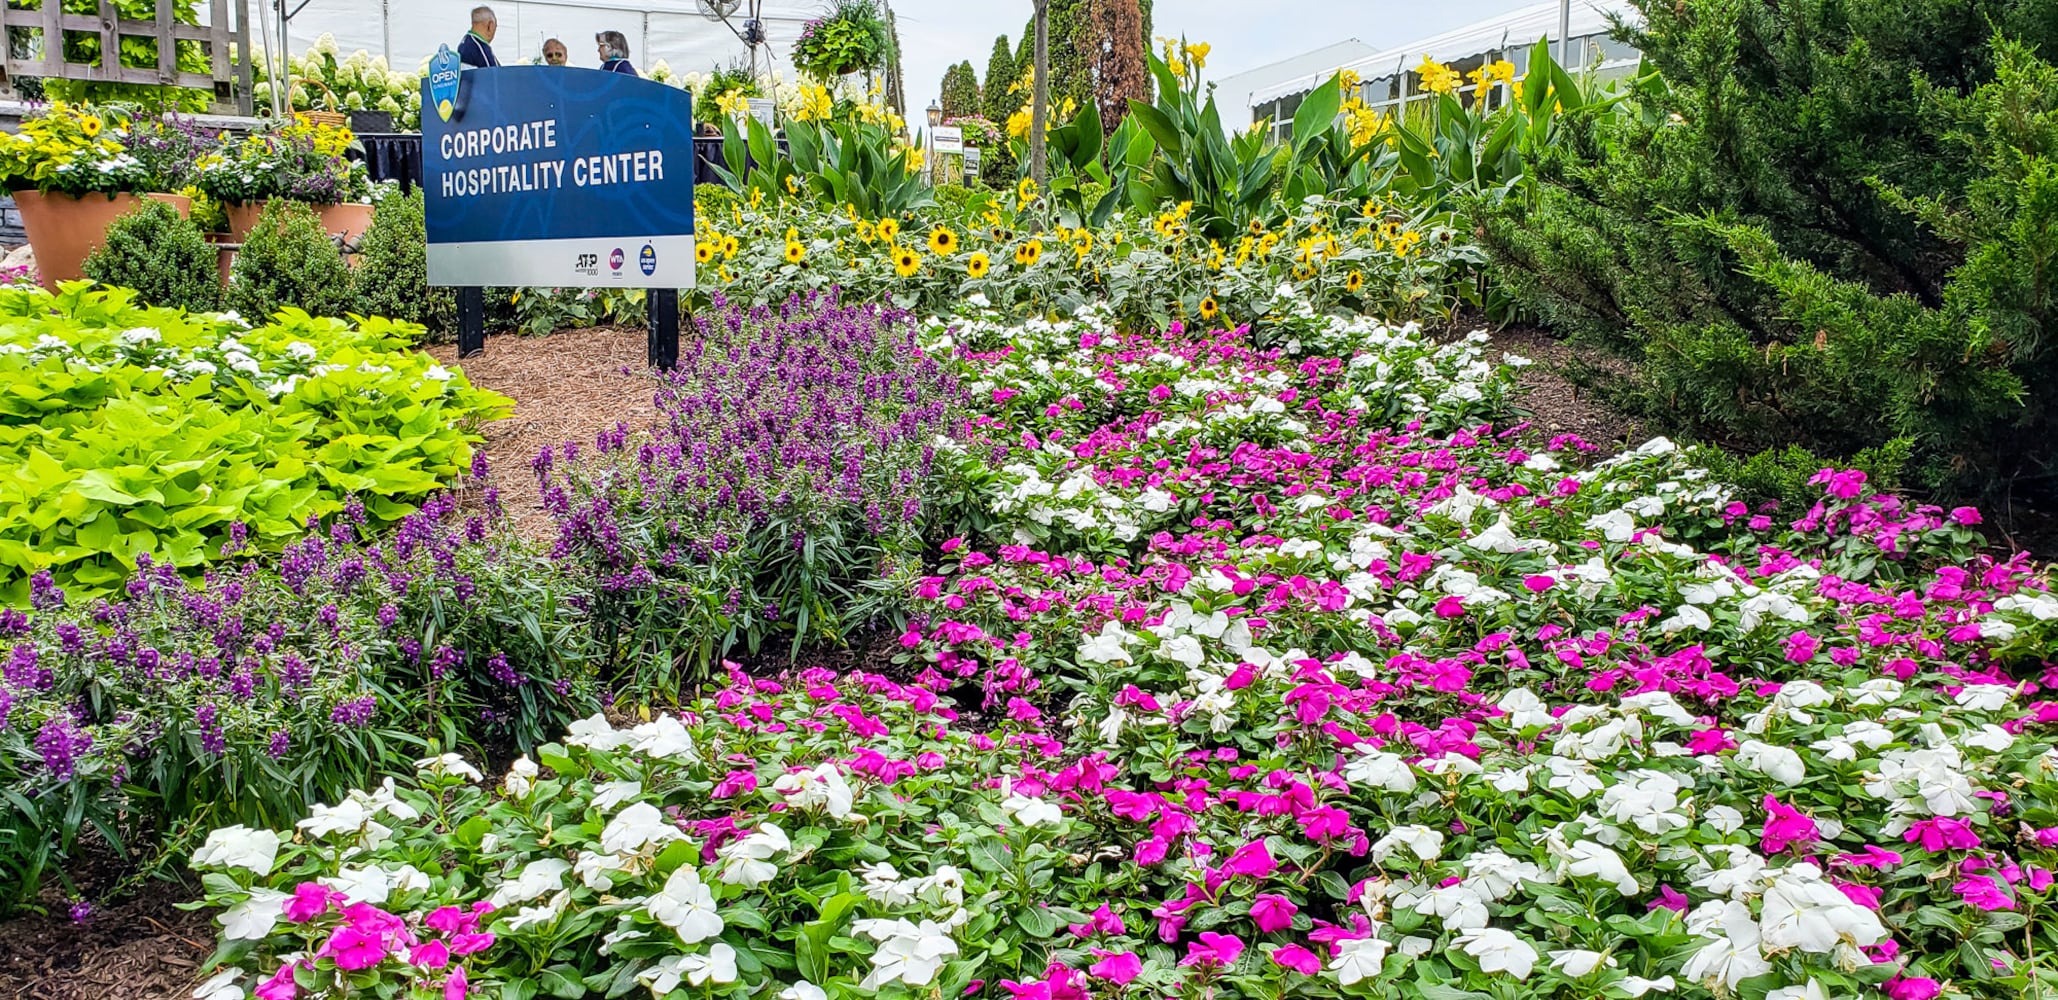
126	430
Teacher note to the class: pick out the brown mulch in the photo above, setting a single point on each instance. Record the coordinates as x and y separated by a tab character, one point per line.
141	948
568	386
1558	405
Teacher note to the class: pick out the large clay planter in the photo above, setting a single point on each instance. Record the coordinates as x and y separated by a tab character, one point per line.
242	218
63	229
348	220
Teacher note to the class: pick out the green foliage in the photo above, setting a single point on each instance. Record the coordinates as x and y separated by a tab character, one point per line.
1777	479
161	256
393	268
289	261
134	431
960	91
136	52
1873	275
836	162
994	99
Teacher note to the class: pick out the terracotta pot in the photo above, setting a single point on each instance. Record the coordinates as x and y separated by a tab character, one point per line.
242	217
347	220
63	229
224	261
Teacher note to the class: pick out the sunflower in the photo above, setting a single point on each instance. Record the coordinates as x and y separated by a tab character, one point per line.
977	264
906	261
703	251
1208	309
792	234
1354	282
729	246
1257	227
864	230
1026	191
795	253
1029	253
942	241
91	124
888	229
792	184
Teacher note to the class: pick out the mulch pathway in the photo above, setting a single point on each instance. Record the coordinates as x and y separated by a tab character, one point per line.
567	387
141	948
1555	403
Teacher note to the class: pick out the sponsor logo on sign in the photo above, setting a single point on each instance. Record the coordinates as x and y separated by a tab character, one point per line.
614	260
589	263
444	70
647	257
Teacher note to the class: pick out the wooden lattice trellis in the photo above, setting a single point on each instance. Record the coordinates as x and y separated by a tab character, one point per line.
228	79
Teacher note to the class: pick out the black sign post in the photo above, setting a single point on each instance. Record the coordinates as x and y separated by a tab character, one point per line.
664	328
471	321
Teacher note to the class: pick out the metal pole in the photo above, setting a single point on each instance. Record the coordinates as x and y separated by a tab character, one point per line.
1564	30
1041	94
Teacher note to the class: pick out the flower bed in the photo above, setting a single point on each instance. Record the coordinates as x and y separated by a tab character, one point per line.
137	431
1301	679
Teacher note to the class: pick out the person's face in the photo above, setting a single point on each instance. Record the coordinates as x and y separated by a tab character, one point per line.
555	55
602	46
487	28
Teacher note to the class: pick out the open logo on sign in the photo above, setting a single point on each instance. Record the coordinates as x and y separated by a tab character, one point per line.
444	71
647	257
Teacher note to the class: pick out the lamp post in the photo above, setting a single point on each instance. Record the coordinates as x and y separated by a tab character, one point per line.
935	117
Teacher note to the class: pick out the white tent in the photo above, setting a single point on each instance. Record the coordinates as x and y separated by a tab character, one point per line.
679	32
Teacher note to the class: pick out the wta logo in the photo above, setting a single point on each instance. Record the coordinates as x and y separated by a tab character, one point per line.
614	260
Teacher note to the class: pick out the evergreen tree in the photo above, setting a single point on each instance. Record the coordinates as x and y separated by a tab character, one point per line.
1000	72
1813	230
960	92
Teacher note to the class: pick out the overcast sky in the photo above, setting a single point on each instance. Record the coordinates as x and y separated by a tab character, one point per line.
1244	33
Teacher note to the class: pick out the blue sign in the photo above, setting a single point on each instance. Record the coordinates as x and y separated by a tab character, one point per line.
542	175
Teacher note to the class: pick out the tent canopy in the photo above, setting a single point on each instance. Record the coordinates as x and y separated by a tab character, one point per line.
1516	29
407	32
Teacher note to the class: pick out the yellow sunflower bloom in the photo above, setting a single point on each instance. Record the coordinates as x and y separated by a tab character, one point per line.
942	242
906	262
1354	282
730	245
888	229
978	264
795	253
1029	253
90	123
1208	309
703	251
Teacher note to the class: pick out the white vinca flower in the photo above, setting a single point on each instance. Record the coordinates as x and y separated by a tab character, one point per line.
239	847
530	916
253	918
909	953
1030	811
1381	770
541	876
822	786
1498	951
1358	959
521	777
687	906
747	862
1424	843
449	763
635	828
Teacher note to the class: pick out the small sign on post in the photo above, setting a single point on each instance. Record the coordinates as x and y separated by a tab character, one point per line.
558	177
947	139
971	163
765	110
